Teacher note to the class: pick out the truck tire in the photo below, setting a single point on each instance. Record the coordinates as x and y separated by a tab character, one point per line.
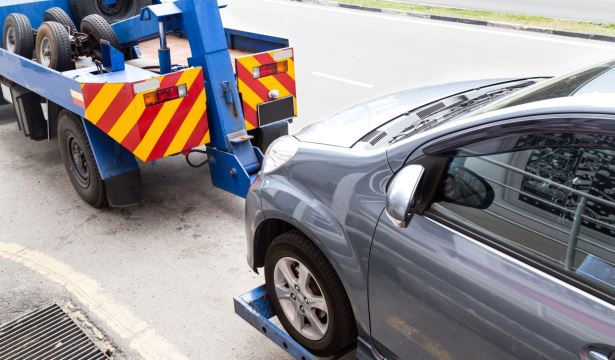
18	35
60	16
79	160
290	255
98	29
53	48
123	9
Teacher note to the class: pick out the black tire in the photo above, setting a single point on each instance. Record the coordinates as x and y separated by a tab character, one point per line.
98	29
18	35
341	333
53	47
60	16
79	160
123	9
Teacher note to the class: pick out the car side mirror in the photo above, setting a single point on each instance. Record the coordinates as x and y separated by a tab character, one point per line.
402	193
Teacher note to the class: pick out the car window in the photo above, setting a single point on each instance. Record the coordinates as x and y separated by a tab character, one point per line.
551	195
591	80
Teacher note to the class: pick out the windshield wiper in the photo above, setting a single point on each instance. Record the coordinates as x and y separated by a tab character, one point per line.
457	109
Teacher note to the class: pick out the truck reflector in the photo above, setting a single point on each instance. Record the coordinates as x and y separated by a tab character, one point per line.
167	94
168	118
263	78
270	69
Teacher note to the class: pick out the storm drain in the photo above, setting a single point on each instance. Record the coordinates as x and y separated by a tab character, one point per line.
46	334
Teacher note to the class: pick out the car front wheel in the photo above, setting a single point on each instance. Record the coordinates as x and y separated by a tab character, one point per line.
308	296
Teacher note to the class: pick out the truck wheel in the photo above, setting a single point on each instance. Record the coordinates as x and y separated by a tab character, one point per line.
79	160
53	48
122	9
60	16
18	35
308	296
98	29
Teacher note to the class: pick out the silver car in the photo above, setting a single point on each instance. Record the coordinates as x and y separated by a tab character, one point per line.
473	220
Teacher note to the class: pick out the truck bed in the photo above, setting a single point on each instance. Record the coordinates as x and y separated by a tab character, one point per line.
180	52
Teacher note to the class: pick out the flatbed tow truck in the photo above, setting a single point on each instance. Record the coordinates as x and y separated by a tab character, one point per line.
134	107
103	94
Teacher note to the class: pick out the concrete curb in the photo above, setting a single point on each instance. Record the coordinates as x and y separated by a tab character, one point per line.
495	24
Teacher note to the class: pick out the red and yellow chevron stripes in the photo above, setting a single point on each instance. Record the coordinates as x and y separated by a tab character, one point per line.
151	132
256	91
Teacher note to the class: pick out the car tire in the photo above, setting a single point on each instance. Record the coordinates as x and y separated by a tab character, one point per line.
335	331
60	16
18	35
124	9
97	29
53	48
79	160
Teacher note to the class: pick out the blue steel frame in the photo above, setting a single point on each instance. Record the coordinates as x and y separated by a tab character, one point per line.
233	160
255	308
203	27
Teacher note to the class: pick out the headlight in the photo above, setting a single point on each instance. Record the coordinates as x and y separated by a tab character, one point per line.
279	152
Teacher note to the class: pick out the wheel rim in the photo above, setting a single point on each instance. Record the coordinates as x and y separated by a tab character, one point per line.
11	40
78	161
111	10
301	298
45	52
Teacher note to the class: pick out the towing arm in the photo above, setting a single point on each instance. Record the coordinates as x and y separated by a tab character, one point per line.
233	161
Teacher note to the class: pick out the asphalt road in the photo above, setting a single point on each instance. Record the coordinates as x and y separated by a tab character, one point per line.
588	10
159	278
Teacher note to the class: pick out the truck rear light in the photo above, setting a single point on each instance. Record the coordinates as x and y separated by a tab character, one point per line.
270	69
166	94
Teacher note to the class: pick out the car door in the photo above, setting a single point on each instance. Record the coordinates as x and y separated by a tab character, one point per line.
511	250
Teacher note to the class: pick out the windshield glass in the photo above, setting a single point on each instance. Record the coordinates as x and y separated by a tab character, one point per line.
596	79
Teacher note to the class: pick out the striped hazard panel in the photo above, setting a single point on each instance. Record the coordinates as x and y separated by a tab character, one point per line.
154	118
264	78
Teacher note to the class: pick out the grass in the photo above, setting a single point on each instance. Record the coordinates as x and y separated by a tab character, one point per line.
516	19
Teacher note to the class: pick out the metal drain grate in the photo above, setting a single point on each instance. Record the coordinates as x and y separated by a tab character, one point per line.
46	334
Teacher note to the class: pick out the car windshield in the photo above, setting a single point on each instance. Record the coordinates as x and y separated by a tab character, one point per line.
596	79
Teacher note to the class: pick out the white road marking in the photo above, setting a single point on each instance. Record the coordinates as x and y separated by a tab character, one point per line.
347	81
465	27
144	339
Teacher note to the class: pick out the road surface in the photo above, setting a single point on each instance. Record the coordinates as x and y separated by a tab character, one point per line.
159	278
587	10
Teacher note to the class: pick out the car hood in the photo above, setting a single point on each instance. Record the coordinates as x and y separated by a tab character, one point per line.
347	127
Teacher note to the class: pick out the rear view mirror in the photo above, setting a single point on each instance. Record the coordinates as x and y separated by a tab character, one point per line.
401	194
465	187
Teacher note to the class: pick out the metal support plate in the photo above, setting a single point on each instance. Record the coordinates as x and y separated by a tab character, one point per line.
255	308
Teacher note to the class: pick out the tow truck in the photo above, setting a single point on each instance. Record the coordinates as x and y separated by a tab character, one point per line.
162	83
165	82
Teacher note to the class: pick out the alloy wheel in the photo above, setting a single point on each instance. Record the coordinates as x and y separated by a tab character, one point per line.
301	298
